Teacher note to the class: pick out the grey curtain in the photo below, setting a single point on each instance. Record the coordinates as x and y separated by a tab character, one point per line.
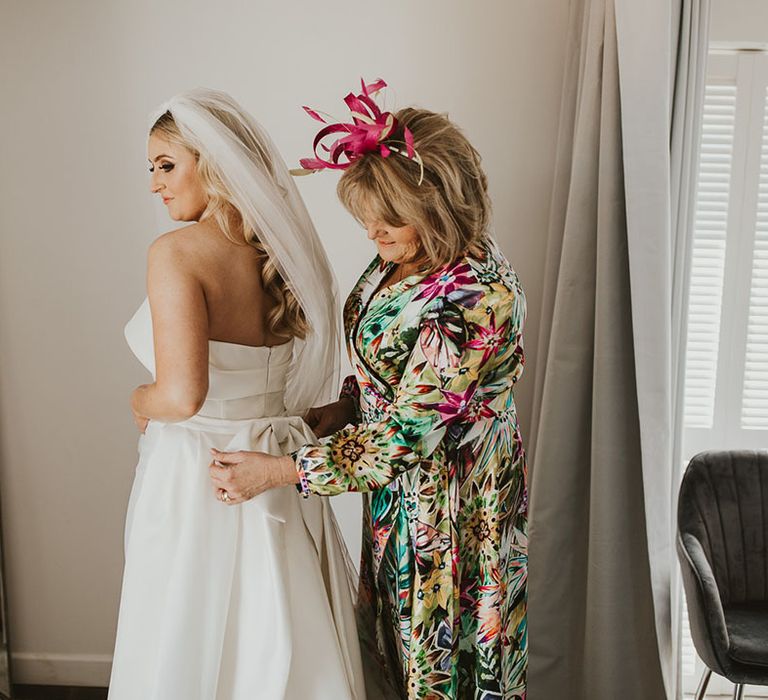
591	618
601	558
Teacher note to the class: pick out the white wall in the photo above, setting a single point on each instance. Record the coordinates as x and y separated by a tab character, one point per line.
744	21
78	81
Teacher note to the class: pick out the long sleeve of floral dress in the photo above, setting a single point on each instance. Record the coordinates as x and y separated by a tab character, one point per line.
442	387
440	455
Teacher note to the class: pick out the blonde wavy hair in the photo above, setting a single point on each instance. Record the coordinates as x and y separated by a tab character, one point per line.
286	316
449	208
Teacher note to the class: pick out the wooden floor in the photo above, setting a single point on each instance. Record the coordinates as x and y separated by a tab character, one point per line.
49	692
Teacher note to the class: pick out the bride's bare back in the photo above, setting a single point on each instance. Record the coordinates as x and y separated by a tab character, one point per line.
230	275
201	287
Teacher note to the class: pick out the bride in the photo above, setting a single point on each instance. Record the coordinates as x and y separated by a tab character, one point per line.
222	601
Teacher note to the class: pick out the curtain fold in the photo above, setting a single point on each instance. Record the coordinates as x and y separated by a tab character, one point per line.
690	58
607	383
647	75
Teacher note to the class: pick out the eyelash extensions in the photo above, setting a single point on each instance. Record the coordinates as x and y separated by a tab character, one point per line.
166	167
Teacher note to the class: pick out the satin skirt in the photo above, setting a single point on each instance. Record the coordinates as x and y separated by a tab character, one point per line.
231	602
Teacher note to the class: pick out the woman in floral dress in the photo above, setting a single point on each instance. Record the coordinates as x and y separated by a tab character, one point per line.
427	427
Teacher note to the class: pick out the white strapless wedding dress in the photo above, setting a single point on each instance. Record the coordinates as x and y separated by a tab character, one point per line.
245	602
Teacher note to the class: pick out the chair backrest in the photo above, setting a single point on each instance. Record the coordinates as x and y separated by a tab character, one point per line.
724	504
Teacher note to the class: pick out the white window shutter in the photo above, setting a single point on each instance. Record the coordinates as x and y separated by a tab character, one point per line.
754	410
708	259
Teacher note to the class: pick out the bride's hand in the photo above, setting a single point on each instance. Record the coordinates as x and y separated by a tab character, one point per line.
328	419
141	421
239	476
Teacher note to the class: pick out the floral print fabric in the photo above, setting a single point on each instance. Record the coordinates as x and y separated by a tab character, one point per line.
439	456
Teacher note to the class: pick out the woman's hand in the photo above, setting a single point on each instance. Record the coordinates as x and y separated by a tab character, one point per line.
239	476
141	421
328	419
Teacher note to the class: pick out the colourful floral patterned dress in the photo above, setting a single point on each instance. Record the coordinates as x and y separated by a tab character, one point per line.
438	453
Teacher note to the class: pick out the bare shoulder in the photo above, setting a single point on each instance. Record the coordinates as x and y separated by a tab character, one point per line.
172	270
179	249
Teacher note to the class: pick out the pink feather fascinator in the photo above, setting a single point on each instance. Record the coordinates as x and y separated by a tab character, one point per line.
338	144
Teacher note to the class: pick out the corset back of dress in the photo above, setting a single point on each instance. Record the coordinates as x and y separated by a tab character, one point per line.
243	381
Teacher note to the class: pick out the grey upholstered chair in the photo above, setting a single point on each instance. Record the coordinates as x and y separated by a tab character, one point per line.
722	545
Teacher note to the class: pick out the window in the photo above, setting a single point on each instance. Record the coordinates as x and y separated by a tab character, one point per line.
726	372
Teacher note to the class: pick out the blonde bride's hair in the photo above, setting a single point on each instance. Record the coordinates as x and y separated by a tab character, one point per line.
286	316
